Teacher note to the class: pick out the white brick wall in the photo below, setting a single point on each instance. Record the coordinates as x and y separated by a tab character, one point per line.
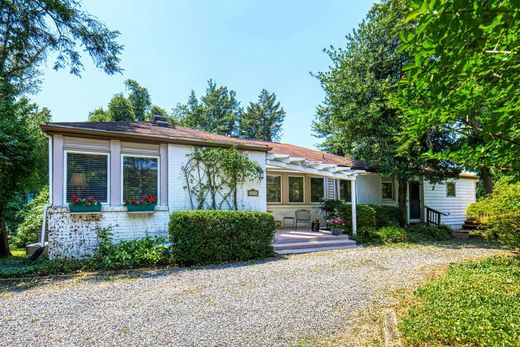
178	197
74	235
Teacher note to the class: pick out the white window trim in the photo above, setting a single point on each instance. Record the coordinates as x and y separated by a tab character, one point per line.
65	164
324	190
281	190
391	181
454	186
158	173
289	188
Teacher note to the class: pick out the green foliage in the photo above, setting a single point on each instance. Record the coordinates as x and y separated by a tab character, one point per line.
473	304
424	232
139	98
365	217
217	112
213	173
391	234
20	266
200	237
32	218
463	78
263	119
501	213
331	207
387	215
145	252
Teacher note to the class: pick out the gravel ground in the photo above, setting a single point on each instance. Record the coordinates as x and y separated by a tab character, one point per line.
275	302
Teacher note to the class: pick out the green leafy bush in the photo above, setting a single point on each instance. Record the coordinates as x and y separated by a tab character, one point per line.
425	232
208	236
391	234
32	218
473	304
387	215
500	213
365	217
145	252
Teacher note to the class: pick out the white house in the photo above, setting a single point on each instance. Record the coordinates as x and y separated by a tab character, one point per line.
117	159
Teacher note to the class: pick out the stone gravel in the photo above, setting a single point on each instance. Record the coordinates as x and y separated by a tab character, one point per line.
267	303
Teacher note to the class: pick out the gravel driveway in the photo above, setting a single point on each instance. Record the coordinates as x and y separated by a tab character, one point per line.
275	302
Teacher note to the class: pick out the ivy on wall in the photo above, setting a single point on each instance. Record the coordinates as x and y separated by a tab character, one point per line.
212	177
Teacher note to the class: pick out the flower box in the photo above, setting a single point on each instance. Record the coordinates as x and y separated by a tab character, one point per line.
140	208
84	208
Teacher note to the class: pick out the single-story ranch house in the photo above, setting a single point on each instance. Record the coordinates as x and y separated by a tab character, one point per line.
114	160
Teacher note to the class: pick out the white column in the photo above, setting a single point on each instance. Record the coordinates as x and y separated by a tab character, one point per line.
115	173
354	202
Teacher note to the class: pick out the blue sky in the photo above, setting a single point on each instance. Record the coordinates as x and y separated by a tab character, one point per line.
172	47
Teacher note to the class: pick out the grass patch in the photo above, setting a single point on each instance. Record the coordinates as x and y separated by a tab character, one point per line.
473	304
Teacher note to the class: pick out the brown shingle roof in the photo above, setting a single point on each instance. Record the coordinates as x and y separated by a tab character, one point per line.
181	134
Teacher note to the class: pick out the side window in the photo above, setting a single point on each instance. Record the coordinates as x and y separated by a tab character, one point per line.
87	176
274	188
317	189
140	176
451	189
296	189
388	190
344	193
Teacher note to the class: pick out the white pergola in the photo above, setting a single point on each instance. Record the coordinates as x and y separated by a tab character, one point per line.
285	162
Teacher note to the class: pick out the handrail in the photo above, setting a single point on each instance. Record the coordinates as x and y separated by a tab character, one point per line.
433	216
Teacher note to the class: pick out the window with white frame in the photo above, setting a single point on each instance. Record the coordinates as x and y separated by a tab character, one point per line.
451	189
344	190
86	176
296	192
274	188
388	189
140	176
317	189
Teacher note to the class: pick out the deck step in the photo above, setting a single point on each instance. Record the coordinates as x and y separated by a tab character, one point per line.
315	249
285	239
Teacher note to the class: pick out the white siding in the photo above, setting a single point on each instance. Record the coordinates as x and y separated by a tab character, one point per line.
435	197
178	197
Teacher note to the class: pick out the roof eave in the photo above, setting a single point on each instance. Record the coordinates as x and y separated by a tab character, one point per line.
63	129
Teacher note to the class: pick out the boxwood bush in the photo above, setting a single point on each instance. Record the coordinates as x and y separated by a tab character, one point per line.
365	216
212	236
387	216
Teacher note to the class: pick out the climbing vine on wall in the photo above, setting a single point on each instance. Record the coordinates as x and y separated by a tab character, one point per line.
213	175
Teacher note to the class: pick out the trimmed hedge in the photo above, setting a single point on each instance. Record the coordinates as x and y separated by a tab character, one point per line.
387	216
212	236
365	217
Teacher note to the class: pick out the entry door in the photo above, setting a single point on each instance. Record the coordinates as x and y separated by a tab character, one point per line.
414	202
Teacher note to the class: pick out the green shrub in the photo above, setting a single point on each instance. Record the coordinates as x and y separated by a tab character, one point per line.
145	252
32	218
365	217
424	232
387	215
392	234
209	236
473	304
501	213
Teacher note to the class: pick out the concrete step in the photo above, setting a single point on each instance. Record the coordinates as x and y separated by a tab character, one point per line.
312	244
289	239
315	249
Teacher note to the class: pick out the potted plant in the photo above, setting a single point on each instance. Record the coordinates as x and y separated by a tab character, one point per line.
330	209
336	223
144	203
90	204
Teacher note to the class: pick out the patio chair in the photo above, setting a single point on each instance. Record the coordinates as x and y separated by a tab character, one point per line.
303	216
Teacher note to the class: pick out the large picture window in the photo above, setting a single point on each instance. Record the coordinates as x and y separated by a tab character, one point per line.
87	176
274	189
296	189
345	192
317	189
140	176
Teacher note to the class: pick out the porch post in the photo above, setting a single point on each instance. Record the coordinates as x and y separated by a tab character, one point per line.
353	204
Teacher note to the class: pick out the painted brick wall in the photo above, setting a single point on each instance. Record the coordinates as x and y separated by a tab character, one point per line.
74	235
178	196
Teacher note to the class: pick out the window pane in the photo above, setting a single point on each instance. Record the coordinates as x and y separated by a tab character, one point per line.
317	190
296	189
388	190
450	189
274	188
140	176
87	175
344	190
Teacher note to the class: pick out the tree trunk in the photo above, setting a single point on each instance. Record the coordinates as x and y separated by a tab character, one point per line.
402	190
4	243
487	179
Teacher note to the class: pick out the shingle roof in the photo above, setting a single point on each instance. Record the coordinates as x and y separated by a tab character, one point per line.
179	133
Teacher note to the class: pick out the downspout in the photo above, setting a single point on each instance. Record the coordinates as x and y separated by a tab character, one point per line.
44	224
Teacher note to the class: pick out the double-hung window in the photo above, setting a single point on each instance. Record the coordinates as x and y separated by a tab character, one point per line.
140	176
317	189
296	192
451	190
86	176
274	189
